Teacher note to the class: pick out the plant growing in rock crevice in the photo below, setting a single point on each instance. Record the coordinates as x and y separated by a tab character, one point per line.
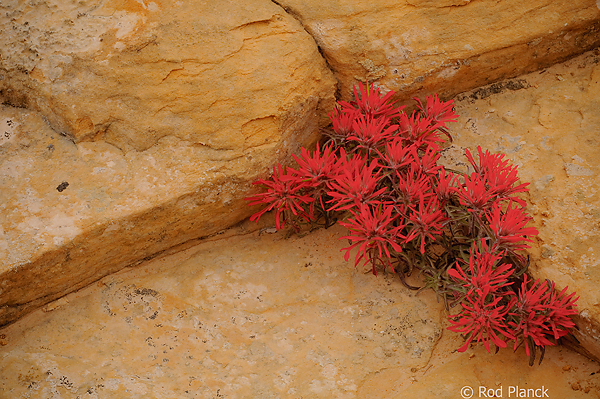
464	232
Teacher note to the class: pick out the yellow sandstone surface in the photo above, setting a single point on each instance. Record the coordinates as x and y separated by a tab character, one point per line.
251	315
445	46
548	123
130	127
154	119
161	113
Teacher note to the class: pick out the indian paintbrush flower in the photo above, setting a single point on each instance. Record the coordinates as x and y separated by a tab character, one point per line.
381	167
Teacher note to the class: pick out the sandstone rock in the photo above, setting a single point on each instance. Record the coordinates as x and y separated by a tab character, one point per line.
447	46
130	73
547	123
161	114
274	318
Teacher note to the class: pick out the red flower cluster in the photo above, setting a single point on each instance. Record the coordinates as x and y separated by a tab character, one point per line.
540	313
493	312
463	231
283	195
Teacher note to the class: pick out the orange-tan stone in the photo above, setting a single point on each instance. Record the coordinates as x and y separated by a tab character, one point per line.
251	315
144	125
547	123
447	46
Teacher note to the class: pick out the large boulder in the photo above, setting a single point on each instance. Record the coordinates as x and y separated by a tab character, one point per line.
222	77
547	123
446	46
136	126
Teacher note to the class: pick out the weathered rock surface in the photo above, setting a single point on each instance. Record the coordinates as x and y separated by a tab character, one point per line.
161	115
133	74
548	123
260	316
446	46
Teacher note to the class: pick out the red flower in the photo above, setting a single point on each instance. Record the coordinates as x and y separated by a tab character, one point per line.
427	220
412	186
498	174
282	195
369	132
317	169
529	315
561	307
541	313
482	321
427	162
371	103
484	274
396	192
509	231
373	233
342	121
446	185
417	130
475	195
355	184
396	156
440	112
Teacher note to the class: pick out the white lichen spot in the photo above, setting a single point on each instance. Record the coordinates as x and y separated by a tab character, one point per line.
326	33
316	386
511	144
126	24
575	169
378	352
53	73
448	72
62	225
56	304
543	182
374	72
329	371
585	313
395	48
544	143
285	378
133	385
56	59
285	345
